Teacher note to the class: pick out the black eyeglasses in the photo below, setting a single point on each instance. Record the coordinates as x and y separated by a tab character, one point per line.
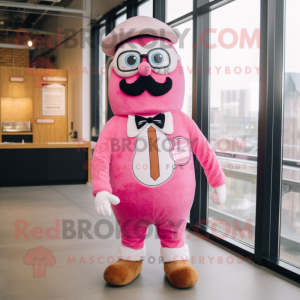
130	60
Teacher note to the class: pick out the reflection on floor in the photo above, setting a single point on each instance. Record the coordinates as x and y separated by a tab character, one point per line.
75	263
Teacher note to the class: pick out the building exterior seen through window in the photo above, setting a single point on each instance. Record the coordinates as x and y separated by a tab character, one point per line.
177	8
290	205
145	9
186	54
234	98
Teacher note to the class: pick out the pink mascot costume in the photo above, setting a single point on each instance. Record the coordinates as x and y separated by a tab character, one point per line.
143	161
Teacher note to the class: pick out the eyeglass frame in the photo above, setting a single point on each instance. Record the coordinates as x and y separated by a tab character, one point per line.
141	59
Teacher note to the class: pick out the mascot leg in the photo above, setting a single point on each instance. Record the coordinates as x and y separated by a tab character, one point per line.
175	254
131	253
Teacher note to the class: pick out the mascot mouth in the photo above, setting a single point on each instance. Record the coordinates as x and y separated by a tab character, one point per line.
146	83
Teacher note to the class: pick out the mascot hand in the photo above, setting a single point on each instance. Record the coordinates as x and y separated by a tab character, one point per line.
103	201
219	194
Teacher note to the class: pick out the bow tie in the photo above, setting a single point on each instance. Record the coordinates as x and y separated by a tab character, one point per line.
158	120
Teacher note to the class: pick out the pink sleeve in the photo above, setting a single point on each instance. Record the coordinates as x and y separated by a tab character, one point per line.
101	159
205	154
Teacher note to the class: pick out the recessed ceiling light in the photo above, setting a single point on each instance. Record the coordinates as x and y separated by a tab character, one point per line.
1	22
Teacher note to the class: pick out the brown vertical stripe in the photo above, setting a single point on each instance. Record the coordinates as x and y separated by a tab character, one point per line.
154	165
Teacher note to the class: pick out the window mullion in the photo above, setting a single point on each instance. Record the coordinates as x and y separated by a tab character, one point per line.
279	12
159	10
95	78
269	161
132	10
199	210
110	25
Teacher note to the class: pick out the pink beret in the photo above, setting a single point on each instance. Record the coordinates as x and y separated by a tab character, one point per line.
135	26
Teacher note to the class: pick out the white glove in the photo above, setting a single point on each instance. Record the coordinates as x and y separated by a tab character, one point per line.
103	201
219	194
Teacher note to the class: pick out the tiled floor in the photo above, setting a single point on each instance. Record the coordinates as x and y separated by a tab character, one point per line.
80	262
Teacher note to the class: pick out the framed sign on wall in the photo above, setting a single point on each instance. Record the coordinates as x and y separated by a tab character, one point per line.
53	99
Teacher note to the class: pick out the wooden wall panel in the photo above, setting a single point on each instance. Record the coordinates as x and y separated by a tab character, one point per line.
31	88
57	132
12	89
16	109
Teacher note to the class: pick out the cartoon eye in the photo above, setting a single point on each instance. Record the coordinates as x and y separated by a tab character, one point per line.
157	58
128	61
35	258
131	60
43	258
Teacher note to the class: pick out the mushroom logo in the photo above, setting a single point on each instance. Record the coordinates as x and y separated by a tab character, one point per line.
40	67
39	258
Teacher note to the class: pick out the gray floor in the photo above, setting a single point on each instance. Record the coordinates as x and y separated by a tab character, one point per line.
40	206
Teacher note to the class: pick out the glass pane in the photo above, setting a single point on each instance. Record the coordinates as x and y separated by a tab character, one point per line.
237	215
234	97
120	19
146	9
186	53
102	74
290	213
177	8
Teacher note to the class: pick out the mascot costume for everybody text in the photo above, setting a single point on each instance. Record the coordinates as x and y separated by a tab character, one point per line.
143	165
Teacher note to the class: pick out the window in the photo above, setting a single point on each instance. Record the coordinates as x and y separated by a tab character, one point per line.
120	19
290	204
186	53
177	8
145	9
230	72
234	98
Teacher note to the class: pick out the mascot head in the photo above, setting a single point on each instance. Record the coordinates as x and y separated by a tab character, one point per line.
145	76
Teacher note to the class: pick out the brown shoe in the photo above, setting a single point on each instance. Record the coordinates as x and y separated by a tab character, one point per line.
181	273
122	272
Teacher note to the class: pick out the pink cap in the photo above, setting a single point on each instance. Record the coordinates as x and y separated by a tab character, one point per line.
135	26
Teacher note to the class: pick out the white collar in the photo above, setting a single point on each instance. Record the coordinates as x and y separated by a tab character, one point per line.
132	130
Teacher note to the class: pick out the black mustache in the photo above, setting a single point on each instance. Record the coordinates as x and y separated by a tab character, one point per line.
144	83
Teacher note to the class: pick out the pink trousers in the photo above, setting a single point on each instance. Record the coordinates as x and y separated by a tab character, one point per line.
168	211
